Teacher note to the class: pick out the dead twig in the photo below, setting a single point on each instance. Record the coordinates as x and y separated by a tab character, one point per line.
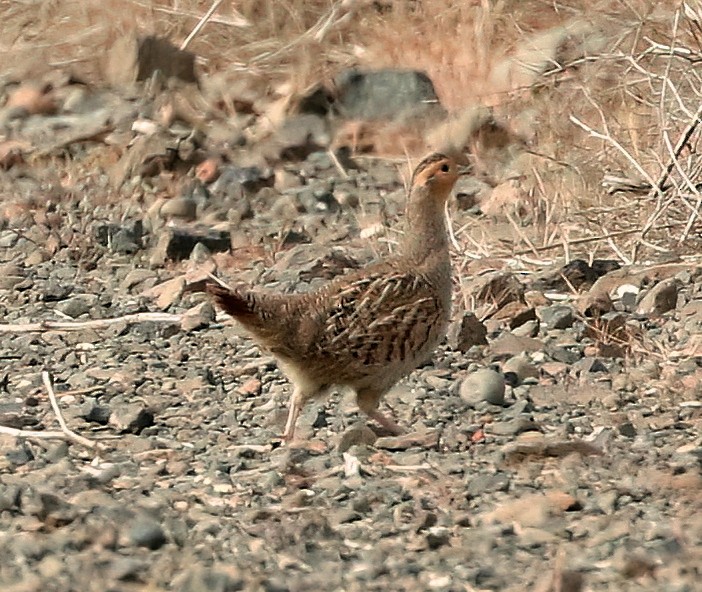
219	282
237	19
591	239
337	164
69	434
449	227
200	24
95	135
66	434
339	13
32	434
682	142
130	319
83	391
607	137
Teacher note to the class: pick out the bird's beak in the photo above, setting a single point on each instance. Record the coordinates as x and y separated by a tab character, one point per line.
465	170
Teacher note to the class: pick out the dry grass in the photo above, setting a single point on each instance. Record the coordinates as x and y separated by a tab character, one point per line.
613	91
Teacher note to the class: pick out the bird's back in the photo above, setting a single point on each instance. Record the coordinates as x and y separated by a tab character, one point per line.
376	323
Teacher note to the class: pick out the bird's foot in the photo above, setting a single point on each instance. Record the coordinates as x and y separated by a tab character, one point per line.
386	422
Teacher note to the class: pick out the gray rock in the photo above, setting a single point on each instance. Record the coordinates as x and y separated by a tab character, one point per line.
557	316
346	199
590	364
517	369
198	317
385	94
573	274
8	282
318	200
285	180
179	207
8	239
10	269
312	262
57	451
234	181
177	244
77	305
659	299
563	354
528	329
480	484
512	427
145	532
298	137
627	429
54	290
211	579
120	238
91	410
467	332
428	439
275	584
9	497
438	536
47	506
132	59
355	435
343	516
628	298
131	417
126	568
483	385
286	207
124	241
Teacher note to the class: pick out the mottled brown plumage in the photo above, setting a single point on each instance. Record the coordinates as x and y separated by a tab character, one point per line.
371	327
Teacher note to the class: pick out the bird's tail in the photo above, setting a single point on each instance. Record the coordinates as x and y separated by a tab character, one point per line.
241	304
272	319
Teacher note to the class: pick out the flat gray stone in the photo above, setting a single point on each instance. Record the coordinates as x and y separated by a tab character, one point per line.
483	385
384	94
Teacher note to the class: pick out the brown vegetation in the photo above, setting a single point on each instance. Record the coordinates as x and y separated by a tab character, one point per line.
605	94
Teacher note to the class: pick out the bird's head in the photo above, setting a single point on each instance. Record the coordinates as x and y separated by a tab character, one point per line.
435	176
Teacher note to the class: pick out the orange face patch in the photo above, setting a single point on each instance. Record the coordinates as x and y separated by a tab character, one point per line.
439	172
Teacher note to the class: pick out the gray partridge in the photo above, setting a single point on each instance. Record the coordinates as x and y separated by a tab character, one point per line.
371	327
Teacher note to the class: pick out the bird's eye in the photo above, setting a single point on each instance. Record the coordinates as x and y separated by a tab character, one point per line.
444	168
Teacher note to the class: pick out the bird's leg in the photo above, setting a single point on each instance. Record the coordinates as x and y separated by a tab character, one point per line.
296	402
368	401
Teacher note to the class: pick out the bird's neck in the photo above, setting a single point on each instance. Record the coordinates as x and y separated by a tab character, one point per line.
425	238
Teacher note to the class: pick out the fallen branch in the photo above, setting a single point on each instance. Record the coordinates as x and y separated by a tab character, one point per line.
70	434
130	319
66	434
32	434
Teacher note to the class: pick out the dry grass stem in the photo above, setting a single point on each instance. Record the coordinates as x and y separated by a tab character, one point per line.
200	24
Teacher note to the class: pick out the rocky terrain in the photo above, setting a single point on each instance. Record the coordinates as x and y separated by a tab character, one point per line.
554	442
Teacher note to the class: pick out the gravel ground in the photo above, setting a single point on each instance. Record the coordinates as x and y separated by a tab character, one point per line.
547	448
